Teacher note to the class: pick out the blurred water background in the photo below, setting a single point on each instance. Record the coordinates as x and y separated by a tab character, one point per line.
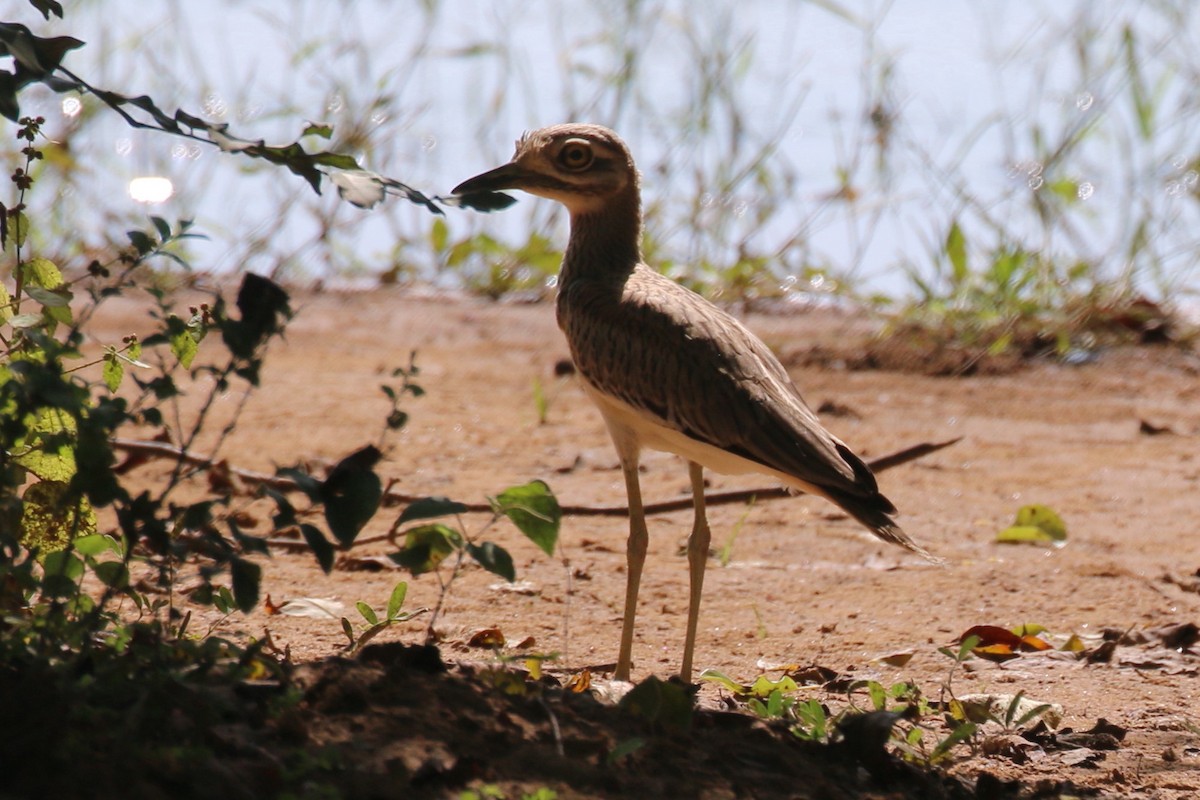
809	147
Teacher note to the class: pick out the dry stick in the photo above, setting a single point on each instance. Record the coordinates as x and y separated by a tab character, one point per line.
391	498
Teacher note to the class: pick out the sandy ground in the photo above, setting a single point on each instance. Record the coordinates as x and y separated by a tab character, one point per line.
800	583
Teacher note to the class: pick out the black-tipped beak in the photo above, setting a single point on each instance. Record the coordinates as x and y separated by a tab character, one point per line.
509	176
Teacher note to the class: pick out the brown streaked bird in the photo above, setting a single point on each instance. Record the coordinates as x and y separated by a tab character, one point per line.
667	369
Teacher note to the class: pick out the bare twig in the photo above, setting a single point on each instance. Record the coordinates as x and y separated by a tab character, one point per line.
391	497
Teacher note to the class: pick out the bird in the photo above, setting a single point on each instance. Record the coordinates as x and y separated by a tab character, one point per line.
667	369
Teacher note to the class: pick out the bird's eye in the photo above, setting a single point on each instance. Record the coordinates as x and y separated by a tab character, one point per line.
576	155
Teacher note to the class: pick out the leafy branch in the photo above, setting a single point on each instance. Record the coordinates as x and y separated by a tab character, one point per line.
39	60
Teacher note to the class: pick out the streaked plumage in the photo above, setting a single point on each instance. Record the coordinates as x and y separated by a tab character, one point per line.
667	369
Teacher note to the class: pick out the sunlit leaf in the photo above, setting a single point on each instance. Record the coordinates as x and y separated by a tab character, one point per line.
1074	644
396	600
721	679
313	129
426	546
439	235
1035	523
367	613
533	508
51	516
764	686
1023	533
42	273
96	544
6	311
112	371
48	449
956	251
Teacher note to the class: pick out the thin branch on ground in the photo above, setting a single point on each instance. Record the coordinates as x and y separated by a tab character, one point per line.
140	451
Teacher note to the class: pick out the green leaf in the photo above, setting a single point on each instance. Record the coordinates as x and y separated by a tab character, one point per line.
439	234
19	228
959	734
313	129
430	508
6	311
163	228
426	546
112	372
1035	523
48	298
1065	189
113	574
48	7
367	612
396	601
183	342
352	493
494	559
1143	105
95	545
52	516
48	448
247	577
956	251
720	678
764	686
42	272
24	321
877	694
320	546
62	571
534	509
1023	533
141	242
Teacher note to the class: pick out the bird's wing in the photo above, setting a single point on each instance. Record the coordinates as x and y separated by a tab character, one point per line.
688	365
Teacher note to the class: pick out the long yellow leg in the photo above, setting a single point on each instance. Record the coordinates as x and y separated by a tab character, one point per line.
697	560
635	557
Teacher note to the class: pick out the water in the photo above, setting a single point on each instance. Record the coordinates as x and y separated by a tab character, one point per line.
436	92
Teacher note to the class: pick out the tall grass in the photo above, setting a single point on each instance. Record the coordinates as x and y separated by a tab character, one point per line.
1063	175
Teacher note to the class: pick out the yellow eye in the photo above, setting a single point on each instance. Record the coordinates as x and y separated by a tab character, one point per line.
576	155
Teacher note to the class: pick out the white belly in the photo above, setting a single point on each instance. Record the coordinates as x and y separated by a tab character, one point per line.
632	429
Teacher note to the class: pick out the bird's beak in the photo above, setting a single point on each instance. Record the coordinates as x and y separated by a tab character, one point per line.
509	176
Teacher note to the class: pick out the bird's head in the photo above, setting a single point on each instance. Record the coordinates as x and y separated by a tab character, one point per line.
581	166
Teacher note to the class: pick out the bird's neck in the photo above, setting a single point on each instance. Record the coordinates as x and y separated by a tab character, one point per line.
606	242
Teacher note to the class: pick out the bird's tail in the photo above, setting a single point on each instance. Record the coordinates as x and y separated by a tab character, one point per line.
880	523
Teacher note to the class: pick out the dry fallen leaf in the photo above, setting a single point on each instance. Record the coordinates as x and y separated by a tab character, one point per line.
896	659
580	682
312	607
489	638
